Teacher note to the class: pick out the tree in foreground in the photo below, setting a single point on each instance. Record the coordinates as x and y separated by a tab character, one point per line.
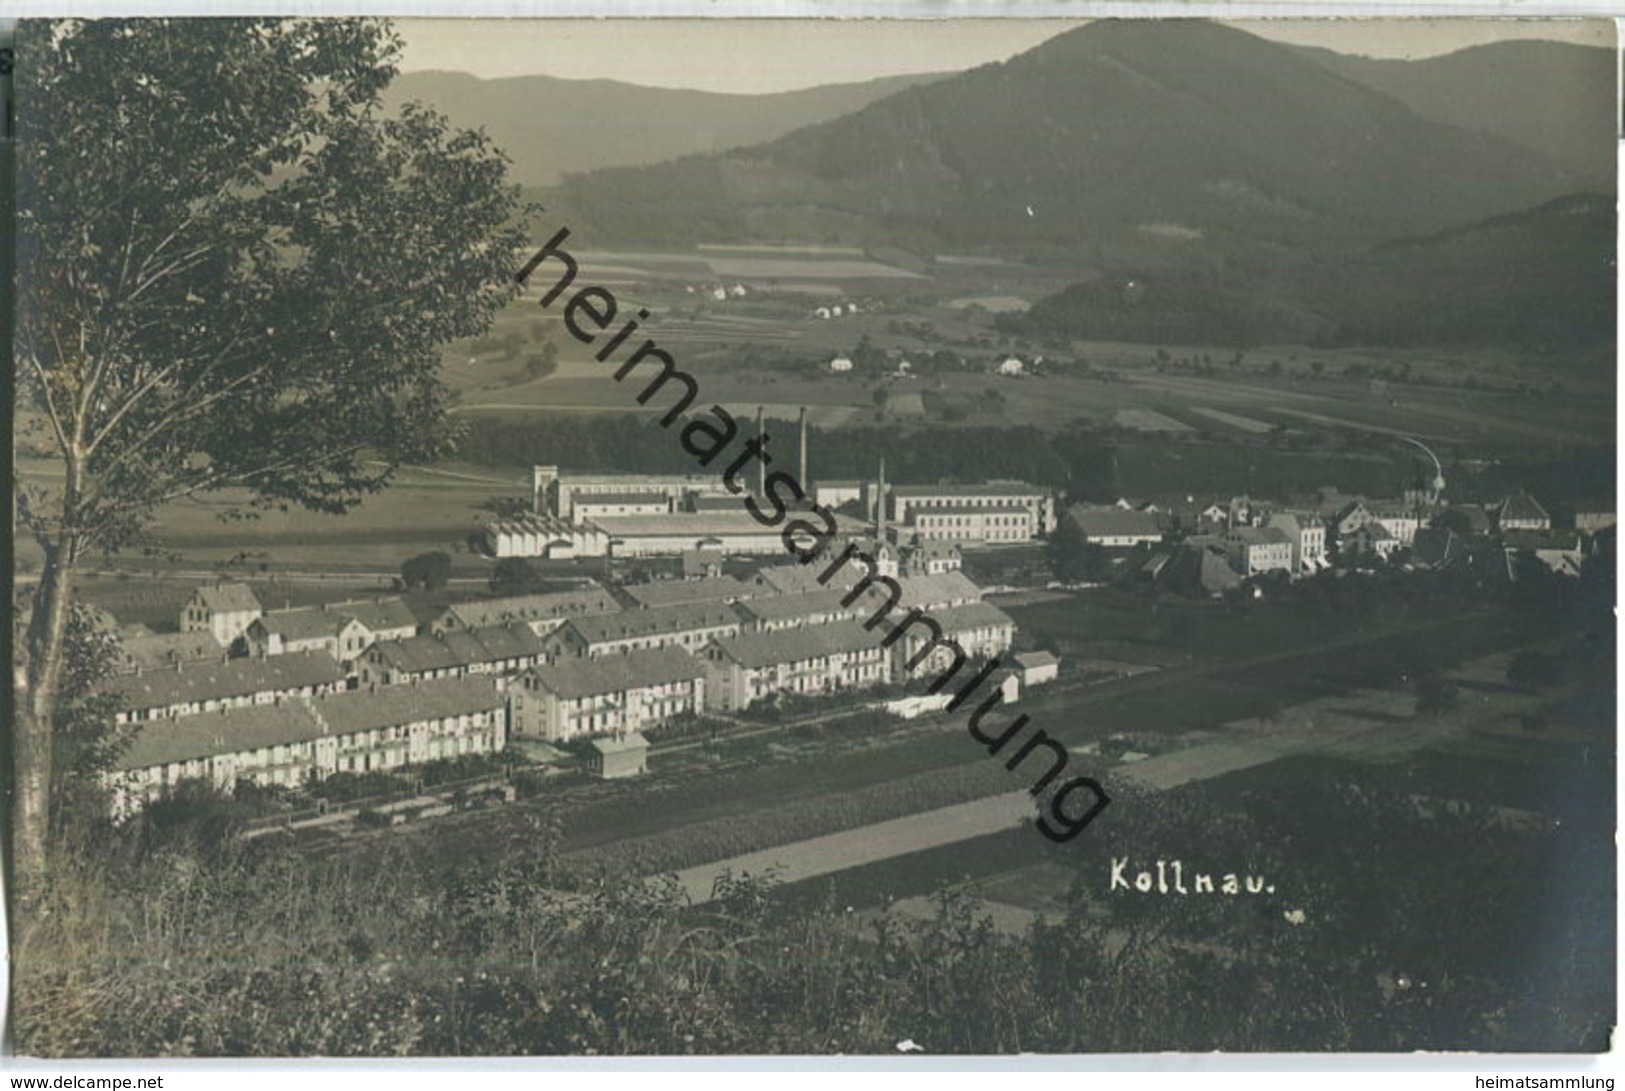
235	274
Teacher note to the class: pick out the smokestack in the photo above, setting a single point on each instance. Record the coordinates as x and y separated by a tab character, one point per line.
880	504
761	463
804	482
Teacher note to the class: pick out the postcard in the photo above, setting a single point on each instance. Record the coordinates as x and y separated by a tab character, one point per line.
809	537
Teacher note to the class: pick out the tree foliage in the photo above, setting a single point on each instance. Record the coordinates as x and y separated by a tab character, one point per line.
237	271
429	571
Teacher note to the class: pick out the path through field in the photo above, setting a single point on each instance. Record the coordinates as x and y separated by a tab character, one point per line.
865	845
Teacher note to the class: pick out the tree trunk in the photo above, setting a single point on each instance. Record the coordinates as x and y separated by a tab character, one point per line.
33	739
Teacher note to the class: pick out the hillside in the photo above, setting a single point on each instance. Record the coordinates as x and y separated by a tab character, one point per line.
1541	279
1488	88
552	127
1096	135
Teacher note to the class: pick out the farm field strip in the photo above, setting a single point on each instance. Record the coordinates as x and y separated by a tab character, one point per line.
1149	420
1246	424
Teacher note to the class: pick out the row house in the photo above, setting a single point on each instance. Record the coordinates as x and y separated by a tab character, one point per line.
614	695
490	649
223	610
773	612
192	690
542	612
680	592
293	742
821	659
690	627
980	629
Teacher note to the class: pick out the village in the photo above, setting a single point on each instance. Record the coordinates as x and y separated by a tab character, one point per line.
708	619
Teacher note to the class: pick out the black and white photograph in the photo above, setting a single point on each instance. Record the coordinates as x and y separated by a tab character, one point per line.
566	538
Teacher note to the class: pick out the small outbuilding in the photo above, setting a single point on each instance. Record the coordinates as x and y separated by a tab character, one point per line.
1037	667
618	756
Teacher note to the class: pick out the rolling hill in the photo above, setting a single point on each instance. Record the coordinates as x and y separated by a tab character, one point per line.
1554	97
1101	133
552	127
1541	279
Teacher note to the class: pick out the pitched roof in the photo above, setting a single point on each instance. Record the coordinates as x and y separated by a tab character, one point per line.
798	645
804	604
222	598
303	623
1260	535
939	589
972	615
458	648
675	592
235	678
391	706
225	732
379	614
1107	521
1521	506
619	744
655	621
1029	660
572	678
156	650
543	607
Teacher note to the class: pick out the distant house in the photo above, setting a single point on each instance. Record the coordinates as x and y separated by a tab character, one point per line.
1521	512
223	609
1253	551
1113	527
1592	516
1011	366
822	312
612	695
1198	566
1350	518
618	756
932	558
840	363
1308	536
701	563
1559	550
1372	539
307	629
343	629
1402	523
719	294
155	651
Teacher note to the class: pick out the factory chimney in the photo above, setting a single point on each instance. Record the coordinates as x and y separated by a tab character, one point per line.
761	463
880	504
803	478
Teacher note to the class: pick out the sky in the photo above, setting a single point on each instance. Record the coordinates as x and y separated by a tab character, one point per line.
754	56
